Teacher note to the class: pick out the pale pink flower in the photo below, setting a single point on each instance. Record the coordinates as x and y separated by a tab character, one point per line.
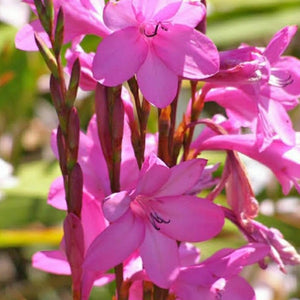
152	217
155	40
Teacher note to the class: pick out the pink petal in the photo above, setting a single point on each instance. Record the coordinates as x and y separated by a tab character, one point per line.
56	196
194	283
92	219
52	262
183	178
287	95
136	290
104	279
160	257
237	288
167	10
154	73
102	254
133	265
279	43
229	262
281	123
25	37
147	10
189	14
119	56
116	205
189	254
187	52
82	17
234	100
87	81
153	175
119	15
191	219
87	282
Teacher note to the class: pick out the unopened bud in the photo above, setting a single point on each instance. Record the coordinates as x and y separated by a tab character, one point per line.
61	146
73	137
75	190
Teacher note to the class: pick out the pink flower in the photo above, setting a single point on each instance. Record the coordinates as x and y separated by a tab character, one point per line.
282	159
188	255
264	82
152	217
82	17
92	223
87	82
217	277
156	41
281	251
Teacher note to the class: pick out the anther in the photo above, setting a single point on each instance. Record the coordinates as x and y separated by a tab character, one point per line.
154	33
279	82
155	218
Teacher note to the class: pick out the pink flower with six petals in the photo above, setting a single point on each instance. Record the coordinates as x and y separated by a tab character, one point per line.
155	40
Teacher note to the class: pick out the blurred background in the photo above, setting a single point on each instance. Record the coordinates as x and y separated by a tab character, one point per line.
28	224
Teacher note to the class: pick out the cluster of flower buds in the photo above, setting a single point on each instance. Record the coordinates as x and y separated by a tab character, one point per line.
132	197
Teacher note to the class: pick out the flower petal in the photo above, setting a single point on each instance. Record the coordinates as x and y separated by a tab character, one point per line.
56	196
119	56
279	43
102	254
116	205
25	37
51	261
83	17
237	288
189	14
92	218
157	82
183	178
189	254
119	15
146	10
191	219
160	257
187	52
153	175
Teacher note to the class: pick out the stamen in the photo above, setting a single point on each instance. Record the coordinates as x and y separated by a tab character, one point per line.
155	218
154	33
280	82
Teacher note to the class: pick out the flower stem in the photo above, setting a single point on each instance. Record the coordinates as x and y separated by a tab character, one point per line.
119	280
160	293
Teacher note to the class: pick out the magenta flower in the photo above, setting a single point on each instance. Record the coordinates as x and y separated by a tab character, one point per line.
152	217
155	40
265	82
